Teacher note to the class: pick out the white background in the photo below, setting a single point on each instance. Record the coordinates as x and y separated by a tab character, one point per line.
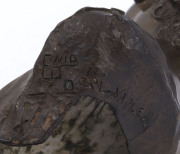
25	25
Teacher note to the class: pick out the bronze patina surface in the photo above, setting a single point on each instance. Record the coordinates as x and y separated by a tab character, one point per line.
161	19
102	54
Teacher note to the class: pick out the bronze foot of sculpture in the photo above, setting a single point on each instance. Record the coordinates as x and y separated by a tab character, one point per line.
102	54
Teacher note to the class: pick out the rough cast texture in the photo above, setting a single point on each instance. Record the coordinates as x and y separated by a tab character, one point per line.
167	15
161	18
89	127
98	53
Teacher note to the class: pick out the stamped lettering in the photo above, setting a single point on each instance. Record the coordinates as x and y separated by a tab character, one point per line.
50	73
68	85
60	60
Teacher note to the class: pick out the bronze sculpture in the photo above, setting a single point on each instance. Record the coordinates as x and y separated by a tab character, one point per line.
102	54
161	19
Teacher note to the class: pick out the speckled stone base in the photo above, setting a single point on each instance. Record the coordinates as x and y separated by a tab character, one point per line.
89	127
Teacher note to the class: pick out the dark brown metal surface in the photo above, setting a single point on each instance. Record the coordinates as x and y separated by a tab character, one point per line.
98	53
161	19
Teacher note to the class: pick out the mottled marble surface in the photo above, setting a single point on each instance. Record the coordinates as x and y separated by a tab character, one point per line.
89	127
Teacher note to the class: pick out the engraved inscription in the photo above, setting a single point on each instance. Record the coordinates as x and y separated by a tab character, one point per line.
129	105
60	60
120	96
46	60
50	73
73	58
96	85
52	65
68	85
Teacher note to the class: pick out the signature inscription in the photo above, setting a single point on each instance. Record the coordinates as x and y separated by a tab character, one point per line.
52	70
60	60
121	96
130	105
52	65
68	85
50	73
